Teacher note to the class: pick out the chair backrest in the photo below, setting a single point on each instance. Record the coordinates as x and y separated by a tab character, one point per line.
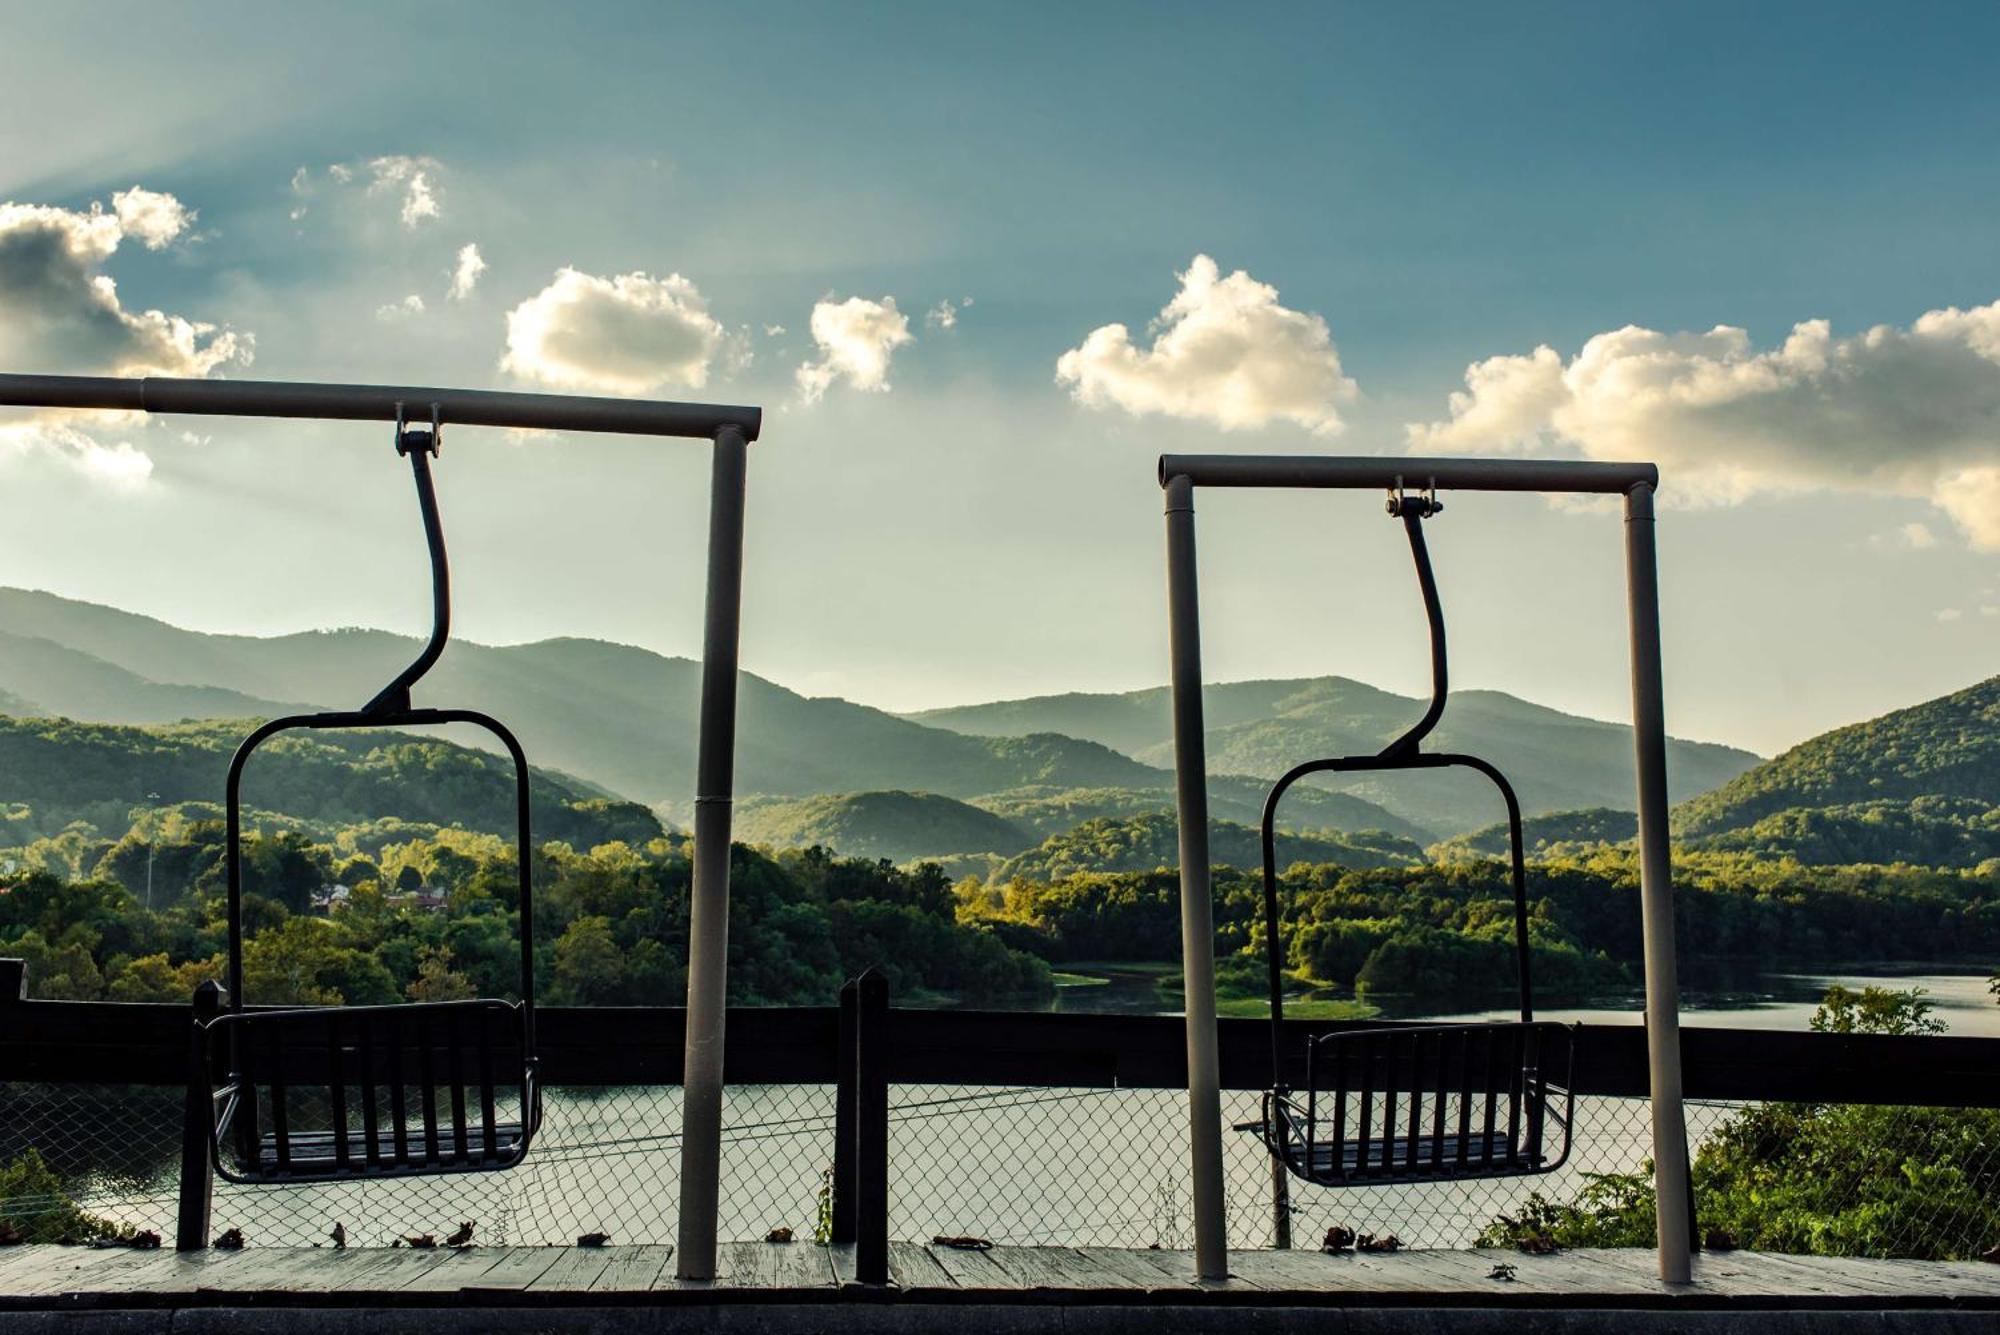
1443	1100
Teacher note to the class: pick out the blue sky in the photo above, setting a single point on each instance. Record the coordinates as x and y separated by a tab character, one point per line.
1435	185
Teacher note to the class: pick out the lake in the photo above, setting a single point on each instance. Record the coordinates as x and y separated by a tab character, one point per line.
1750	1000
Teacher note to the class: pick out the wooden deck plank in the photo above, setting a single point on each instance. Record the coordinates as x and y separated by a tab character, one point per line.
633	1268
800	1265
574	1271
1047	1269
450	1269
1178	1267
971	1269
1550	1276
517	1268
1300	1271
911	1268
80	1269
180	1272
1143	1273
375	1270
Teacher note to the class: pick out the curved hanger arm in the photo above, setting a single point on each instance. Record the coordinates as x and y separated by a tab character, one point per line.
395	697
1413	524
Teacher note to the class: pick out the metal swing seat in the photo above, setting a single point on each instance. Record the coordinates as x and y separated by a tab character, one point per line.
1417	1103
324	1093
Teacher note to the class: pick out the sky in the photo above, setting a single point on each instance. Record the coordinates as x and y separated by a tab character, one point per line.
981	265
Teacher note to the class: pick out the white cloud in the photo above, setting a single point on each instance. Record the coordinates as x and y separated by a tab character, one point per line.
1913	412
60	311
774	331
630	334
856	339
412	176
119	466
1949	614
151	217
408	308
465	276
944	315
1224	351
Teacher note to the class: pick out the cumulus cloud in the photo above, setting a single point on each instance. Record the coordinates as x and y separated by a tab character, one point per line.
151	217
408	176
1224	351
408	308
1910	411
630	334
60	310
465	275
856	338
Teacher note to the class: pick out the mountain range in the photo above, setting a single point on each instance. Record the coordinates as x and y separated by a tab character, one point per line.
622	718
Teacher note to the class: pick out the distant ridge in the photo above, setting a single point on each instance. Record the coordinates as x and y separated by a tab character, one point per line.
624	718
1557	761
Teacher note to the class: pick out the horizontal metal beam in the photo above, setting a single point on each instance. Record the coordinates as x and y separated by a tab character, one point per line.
1370	471
377	403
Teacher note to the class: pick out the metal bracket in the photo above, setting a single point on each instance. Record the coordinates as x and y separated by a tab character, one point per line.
409	438
1423	507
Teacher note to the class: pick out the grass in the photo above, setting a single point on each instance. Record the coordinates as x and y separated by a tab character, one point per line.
1061	979
1297	1008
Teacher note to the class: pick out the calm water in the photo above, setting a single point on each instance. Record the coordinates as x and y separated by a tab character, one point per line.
1760	1001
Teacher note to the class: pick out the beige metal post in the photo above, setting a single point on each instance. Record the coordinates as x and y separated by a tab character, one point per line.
1656	891
708	909
1211	1254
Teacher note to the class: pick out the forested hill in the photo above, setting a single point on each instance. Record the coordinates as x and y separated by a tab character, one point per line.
894	825
1556	761
58	772
1943	748
1151	842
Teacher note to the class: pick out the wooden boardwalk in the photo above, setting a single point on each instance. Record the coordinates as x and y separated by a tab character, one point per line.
479	1280
44	1276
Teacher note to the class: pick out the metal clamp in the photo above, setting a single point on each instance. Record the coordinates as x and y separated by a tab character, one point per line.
1423	507
409	439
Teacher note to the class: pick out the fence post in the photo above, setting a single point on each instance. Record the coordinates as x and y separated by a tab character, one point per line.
871	1129
844	1179
13	981
197	1127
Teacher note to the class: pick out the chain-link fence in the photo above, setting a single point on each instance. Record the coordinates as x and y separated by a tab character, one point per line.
1049	1166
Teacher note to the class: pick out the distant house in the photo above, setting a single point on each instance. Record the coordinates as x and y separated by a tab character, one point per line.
331	898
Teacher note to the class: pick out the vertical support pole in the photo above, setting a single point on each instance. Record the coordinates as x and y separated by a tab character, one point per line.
1211	1254
845	1093
871	1130
198	1128
708	910
1656	892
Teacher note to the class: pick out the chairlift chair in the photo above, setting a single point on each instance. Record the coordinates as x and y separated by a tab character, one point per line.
1418	1103
324	1093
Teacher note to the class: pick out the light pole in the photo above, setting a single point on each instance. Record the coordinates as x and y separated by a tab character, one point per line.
152	841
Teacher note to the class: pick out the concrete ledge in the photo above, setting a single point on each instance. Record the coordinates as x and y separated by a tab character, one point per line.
1003	1318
